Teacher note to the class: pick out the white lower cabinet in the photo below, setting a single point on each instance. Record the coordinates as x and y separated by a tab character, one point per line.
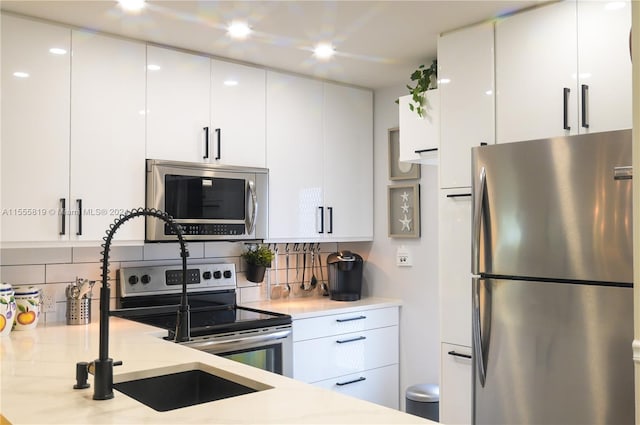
355	353
455	386
371	385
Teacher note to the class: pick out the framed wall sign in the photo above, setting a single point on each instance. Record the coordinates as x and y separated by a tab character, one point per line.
404	210
400	170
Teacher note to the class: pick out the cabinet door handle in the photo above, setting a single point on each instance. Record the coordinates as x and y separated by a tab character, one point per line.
344	341
565	108
79	203
330	209
321	219
426	150
458	195
351	319
63	207
585	99
353	381
219	135
206	142
456	354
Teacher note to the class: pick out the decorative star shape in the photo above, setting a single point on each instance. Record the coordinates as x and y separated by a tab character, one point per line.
405	197
406	223
405	208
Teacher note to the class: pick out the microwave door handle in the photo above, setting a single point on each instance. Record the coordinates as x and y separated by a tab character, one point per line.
254	211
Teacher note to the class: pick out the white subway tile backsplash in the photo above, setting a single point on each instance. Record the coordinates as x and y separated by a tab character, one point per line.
222	249
249	294
23	275
171	251
23	256
68	272
116	253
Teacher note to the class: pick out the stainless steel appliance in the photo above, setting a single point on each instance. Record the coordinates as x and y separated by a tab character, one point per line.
151	294
345	276
552	296
210	202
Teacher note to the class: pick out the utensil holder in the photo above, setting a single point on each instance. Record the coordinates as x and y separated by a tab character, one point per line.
78	311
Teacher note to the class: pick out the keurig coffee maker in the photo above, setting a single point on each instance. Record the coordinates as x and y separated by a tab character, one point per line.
345	276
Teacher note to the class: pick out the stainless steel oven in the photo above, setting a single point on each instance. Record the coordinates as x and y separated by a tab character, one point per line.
265	348
151	294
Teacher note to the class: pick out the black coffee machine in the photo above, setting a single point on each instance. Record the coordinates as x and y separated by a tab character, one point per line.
345	276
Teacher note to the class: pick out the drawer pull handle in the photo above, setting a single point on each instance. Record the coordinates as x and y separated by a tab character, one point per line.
360	379
456	354
351	319
344	341
458	195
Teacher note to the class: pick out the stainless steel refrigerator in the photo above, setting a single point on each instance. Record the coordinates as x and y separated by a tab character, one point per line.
552	286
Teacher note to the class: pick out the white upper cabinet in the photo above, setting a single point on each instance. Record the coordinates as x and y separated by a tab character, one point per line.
320	160
535	66
604	65
35	130
420	135
466	85
178	90
563	69
348	162
107	135
294	156
238	114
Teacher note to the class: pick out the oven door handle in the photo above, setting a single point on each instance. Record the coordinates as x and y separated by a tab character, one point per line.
219	346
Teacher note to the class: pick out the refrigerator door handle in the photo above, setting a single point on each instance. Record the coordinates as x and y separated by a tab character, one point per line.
477	221
478	349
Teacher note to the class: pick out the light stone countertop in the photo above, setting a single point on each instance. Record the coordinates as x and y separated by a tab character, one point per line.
38	372
308	307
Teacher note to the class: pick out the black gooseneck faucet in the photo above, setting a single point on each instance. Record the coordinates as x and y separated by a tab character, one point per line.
103	366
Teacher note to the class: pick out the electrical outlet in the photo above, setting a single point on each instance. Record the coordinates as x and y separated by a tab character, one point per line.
48	302
403	257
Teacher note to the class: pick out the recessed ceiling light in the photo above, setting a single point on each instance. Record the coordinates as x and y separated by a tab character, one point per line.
57	51
152	67
131	5
239	30
444	81
324	51
21	74
230	83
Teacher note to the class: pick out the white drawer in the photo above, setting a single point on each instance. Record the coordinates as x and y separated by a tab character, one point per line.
379	386
323	358
336	324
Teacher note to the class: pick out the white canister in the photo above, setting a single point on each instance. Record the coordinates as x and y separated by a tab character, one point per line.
7	308
28	301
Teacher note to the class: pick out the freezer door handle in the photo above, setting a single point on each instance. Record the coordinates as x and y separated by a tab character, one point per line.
623	173
477	221
478	349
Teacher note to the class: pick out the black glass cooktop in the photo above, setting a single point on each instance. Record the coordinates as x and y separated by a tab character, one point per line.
206	320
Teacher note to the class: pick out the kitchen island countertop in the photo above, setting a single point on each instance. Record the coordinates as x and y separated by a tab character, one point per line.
38	372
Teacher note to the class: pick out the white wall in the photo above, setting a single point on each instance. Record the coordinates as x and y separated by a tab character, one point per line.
416	286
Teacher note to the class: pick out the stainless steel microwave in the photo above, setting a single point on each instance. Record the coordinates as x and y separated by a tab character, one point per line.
210	202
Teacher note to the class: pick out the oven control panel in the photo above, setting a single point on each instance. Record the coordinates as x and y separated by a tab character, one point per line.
155	280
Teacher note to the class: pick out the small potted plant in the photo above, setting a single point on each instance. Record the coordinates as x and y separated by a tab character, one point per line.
424	79
258	258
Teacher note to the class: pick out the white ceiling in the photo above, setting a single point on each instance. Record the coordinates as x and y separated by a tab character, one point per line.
378	43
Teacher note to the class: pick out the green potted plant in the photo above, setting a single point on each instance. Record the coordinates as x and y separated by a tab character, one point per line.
258	258
425	79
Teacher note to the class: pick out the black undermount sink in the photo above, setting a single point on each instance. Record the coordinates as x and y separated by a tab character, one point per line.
174	390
